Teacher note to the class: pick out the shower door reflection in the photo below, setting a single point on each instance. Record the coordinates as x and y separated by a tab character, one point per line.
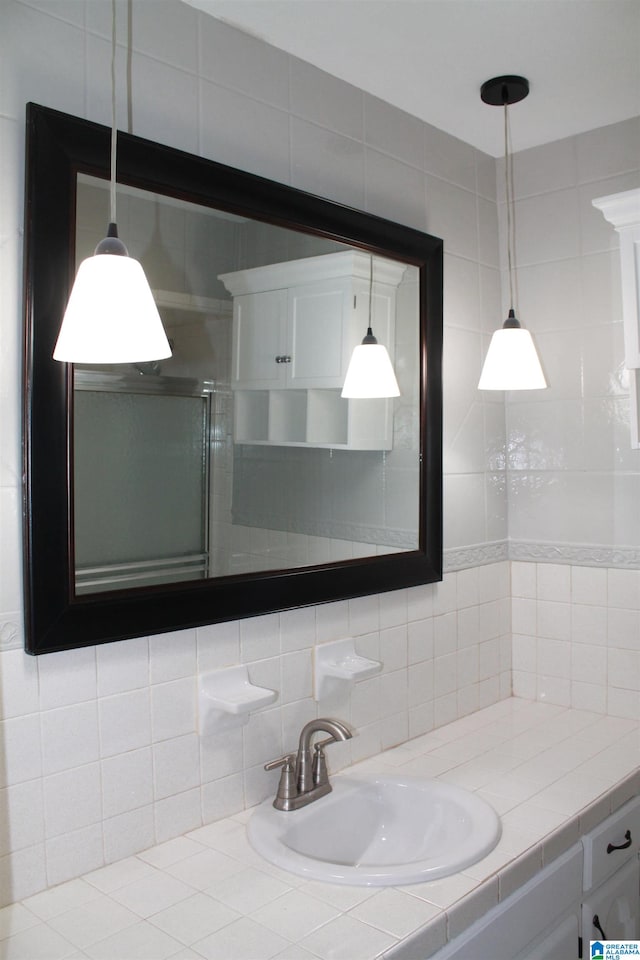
142	474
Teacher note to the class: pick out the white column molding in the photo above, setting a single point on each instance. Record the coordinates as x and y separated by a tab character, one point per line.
623	211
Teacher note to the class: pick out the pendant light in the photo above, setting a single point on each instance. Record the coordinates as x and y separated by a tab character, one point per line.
111	316
512	362
370	373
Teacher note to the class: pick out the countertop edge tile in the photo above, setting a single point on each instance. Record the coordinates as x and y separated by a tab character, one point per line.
624	790
473	906
421	943
560	840
516	873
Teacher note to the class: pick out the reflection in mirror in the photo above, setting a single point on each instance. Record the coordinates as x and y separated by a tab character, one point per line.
237	454
231	480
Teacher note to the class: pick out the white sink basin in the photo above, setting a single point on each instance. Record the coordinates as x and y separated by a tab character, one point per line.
378	831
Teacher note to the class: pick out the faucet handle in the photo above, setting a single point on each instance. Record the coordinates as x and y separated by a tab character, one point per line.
287	760
320	772
287	787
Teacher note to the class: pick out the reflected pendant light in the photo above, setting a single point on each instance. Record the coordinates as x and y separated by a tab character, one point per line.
512	361
111	316
370	373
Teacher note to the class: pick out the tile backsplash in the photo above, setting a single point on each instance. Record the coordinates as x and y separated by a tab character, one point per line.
576	636
102	757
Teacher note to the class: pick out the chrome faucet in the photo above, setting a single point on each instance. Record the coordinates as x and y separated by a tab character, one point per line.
303	779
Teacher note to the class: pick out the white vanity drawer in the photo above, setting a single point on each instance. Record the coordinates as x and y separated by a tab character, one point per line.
611	844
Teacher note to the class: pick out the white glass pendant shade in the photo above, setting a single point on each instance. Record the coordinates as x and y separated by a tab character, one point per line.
111	316
512	362
370	372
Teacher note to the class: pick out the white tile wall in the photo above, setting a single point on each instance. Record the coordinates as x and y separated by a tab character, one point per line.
99	745
572	477
582	648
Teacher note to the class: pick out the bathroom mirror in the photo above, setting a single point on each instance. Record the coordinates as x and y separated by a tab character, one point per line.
205	488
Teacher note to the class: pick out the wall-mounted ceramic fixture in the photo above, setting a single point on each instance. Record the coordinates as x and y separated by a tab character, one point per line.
227	697
337	664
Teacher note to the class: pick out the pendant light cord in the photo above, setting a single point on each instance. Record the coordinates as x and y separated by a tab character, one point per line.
370	331
509	194
129	66
114	131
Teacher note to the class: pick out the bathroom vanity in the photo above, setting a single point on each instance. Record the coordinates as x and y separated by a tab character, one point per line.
566	786
591	892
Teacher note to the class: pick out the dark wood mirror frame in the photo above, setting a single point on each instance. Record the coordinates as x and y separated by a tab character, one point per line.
59	147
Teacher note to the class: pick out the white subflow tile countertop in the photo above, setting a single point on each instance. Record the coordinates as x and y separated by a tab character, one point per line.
551	773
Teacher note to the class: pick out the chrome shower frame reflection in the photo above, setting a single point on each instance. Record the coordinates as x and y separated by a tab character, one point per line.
144	380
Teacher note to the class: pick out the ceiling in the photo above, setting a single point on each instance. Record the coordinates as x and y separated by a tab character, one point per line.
430	57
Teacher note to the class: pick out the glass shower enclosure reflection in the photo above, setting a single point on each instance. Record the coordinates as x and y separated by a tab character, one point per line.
158	431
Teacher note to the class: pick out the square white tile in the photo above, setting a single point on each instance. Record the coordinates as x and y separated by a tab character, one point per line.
394	912
122	666
348	939
294	915
22	749
154	893
173	708
142	941
93	921
125	722
120	874
66	678
172	656
194	919
72	799
204	869
243	940
176	765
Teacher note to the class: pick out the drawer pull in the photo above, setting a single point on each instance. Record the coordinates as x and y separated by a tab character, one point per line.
621	846
596	923
283	359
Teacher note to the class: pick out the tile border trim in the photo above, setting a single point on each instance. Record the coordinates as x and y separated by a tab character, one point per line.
577	554
580	554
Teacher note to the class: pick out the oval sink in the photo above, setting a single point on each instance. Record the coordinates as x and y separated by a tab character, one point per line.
378	831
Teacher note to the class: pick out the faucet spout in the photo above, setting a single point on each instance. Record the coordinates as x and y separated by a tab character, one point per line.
304	772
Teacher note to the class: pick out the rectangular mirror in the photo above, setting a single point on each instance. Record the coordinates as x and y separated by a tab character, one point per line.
231	479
